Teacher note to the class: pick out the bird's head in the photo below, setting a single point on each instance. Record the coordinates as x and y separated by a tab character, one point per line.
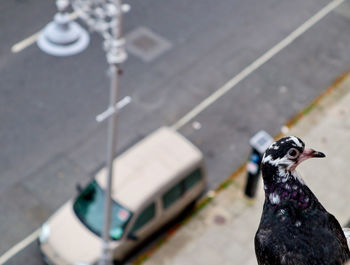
286	154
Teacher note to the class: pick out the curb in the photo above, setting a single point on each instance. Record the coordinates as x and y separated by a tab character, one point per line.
241	169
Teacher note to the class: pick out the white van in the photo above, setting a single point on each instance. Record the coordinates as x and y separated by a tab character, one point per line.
155	180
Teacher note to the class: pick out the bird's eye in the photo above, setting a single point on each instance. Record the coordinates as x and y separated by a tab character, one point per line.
293	153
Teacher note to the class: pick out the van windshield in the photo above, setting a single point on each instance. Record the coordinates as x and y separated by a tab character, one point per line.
89	207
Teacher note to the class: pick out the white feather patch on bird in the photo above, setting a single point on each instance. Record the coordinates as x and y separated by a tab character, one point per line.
347	235
274	146
274	198
284	174
287	187
274	162
295	140
297	223
297	177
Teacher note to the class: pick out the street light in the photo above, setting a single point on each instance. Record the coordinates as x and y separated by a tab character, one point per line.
105	17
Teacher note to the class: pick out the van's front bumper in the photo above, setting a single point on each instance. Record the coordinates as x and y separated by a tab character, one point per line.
49	256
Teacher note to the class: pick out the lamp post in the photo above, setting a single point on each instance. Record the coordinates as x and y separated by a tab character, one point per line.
105	17
115	56
114	71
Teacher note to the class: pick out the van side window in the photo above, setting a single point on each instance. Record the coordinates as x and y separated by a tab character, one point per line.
192	179
145	216
172	195
179	189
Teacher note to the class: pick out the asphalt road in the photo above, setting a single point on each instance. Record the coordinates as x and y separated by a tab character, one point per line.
49	139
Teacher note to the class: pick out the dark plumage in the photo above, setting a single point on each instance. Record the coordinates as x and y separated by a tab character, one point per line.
295	229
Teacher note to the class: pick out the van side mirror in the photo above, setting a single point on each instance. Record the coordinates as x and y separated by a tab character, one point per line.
133	237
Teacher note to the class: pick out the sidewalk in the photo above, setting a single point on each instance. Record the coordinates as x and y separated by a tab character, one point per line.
223	231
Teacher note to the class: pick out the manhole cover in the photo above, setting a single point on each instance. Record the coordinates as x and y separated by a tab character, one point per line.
145	44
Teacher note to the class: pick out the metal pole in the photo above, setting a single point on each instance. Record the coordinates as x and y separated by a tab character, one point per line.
115	56
104	16
106	255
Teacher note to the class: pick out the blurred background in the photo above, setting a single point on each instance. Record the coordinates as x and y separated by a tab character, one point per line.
179	54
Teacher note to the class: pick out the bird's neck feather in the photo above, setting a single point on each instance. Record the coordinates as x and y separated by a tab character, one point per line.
283	186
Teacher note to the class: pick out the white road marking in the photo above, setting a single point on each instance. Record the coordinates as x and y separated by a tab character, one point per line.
256	64
19	246
20	46
211	99
24	43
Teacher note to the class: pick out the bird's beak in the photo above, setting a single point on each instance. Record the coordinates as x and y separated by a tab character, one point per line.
310	153
306	154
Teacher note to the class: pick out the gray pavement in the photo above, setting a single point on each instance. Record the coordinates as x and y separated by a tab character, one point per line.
223	232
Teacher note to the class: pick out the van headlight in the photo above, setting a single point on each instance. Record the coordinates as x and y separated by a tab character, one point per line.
44	233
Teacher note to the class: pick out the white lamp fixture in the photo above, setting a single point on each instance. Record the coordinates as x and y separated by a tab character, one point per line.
63	36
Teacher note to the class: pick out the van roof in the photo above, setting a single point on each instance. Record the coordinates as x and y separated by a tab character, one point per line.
148	166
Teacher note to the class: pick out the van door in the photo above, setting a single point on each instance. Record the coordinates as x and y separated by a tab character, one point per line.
194	185
144	223
147	221
172	202
180	195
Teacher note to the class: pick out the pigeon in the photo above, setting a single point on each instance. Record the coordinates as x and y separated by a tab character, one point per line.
295	229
